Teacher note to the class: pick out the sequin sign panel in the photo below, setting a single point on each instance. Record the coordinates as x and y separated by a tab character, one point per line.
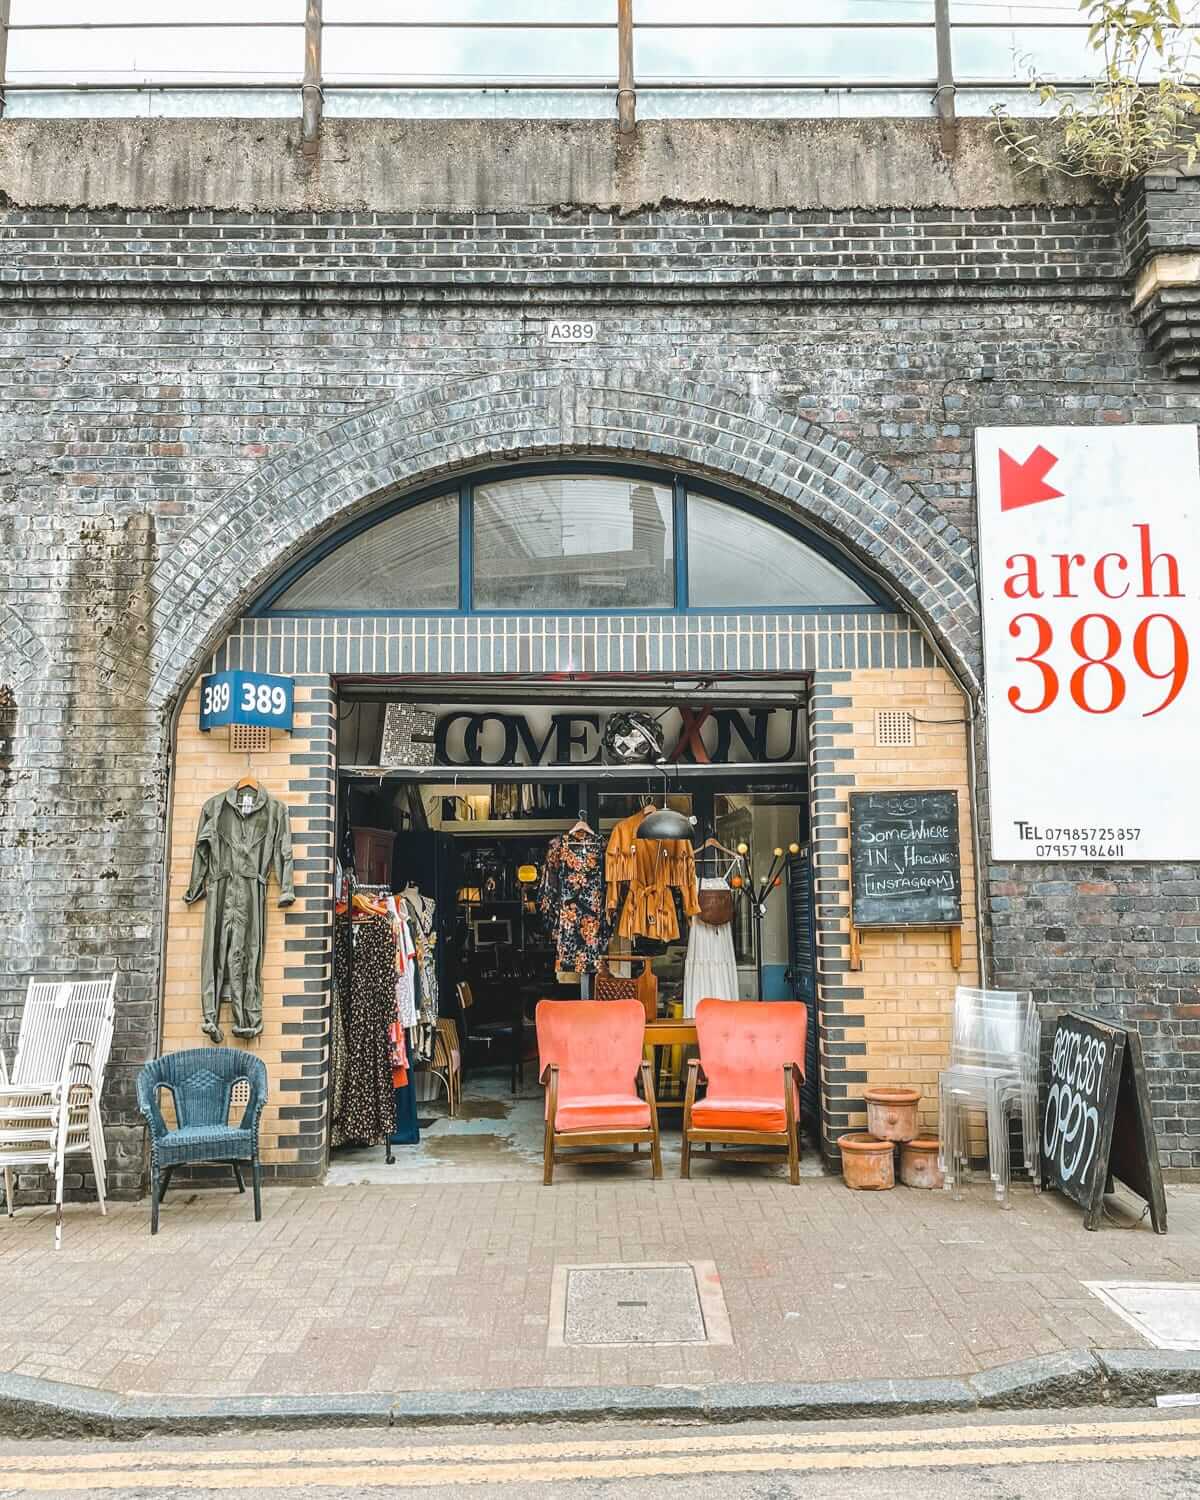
246	698
1090	581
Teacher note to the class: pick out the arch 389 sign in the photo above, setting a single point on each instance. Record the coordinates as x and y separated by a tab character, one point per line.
1090	581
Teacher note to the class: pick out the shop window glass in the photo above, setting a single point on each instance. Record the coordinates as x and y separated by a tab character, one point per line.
736	559
409	561
574	542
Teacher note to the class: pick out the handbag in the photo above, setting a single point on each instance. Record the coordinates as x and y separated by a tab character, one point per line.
716	905
610	986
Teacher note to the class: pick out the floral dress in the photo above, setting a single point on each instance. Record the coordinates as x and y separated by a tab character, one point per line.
572	902
368	1112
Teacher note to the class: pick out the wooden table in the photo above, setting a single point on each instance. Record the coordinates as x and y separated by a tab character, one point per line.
666	1033
670	1033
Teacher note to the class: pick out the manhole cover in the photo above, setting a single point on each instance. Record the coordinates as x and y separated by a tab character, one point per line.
1165	1312
623	1305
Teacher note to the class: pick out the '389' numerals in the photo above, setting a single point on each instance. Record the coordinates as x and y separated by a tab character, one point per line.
1098	684
257	698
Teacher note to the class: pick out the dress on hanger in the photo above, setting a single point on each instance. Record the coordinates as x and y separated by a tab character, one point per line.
369	1101
710	969
340	1026
572	902
406	967
422	914
651	869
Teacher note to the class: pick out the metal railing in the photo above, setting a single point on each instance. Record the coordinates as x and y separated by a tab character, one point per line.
311	30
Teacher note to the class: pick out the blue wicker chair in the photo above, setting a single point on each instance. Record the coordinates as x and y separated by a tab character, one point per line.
201	1083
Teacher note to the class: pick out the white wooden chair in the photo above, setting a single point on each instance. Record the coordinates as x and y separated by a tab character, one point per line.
50	1107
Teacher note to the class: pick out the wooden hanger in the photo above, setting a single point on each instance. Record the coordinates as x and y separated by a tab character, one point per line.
368	905
247	781
580	825
712	842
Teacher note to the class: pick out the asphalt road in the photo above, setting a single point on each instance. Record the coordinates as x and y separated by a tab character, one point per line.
1102	1453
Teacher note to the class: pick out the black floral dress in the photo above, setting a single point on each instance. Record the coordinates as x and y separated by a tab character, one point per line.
572	902
368	1112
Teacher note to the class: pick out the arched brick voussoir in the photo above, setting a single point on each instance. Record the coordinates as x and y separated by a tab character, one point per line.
241	542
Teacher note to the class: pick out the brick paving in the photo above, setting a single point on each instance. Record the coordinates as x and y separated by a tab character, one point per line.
368	1288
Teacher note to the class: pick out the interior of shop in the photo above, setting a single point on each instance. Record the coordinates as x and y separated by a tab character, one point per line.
492	854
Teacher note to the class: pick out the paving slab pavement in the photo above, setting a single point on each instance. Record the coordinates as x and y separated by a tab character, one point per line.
369	1289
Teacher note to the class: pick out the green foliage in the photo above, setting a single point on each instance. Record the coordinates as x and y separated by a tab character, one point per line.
1140	114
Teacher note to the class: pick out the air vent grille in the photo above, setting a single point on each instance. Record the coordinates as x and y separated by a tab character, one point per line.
249	739
893	727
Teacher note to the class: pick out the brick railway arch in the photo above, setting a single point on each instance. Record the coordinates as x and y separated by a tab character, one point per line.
240	543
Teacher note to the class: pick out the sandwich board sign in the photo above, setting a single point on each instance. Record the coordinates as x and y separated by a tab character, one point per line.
1097	1125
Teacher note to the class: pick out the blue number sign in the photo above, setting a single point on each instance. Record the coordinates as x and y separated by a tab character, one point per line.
245	698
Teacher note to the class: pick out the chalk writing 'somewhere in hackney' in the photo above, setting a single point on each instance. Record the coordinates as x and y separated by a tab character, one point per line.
904	855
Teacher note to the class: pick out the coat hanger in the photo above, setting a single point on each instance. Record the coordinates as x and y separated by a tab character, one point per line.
248	781
581	825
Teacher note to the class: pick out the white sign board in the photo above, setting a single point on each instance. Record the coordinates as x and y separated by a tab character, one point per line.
571	333
1090	582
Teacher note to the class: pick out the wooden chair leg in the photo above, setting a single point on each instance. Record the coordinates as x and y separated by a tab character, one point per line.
154	1199
256	1175
551	1112
790	1084
8	1190
689	1099
648	1094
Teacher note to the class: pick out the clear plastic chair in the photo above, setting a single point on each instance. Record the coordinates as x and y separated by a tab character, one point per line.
994	1053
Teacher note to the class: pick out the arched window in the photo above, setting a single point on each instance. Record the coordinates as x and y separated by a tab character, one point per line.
542	539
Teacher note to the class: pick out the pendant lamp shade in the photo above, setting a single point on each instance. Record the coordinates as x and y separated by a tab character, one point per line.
665	824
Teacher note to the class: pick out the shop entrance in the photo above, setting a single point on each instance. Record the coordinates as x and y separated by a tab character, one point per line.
454	817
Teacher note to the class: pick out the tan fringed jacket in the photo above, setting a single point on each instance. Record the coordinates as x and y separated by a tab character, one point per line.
650	868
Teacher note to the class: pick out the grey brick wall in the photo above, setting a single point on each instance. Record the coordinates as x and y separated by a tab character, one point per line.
186	401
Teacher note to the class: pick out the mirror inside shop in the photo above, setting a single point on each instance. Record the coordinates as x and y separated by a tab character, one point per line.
490	860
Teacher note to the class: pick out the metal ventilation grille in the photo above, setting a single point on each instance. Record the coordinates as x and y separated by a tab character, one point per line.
893	727
249	739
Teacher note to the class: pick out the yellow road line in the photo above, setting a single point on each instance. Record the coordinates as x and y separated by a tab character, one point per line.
733	1441
675	1465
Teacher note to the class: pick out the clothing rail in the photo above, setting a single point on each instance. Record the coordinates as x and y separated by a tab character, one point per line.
27	74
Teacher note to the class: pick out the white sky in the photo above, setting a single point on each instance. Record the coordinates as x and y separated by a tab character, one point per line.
411	55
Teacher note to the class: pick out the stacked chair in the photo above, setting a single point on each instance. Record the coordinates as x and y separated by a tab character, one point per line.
994	1055
50	1107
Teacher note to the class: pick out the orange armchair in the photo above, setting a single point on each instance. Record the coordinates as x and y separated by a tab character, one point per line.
752	1054
589	1057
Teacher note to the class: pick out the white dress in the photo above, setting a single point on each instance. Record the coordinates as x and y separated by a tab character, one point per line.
406	977
710	970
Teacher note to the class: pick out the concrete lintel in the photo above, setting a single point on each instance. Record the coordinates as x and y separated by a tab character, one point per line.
1162	271
391	166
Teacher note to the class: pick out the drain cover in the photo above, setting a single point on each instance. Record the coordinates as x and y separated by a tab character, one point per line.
1167	1313
623	1305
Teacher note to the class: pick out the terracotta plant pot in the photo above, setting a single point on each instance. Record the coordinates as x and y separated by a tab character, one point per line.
892	1113
919	1163
867	1163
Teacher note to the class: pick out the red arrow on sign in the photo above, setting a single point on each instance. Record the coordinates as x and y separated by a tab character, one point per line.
1024	484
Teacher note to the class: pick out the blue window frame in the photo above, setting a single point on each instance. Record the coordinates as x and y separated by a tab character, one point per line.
563	538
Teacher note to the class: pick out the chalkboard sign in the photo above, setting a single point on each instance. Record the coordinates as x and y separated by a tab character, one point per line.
904	859
1097	1124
